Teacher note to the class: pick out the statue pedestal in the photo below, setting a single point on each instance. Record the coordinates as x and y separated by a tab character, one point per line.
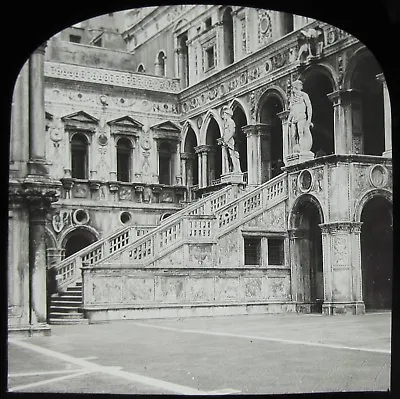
232	177
299	157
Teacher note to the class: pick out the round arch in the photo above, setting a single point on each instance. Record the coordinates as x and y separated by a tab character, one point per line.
377	192
324	69
51	240
76	229
356	58
272	92
303	200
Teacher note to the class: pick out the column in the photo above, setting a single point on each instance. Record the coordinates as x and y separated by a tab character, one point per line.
266	151
177	165
283	116
204	179
388	116
184	160
37	163
211	165
342	268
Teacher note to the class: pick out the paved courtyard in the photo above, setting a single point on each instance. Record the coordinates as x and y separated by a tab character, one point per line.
260	354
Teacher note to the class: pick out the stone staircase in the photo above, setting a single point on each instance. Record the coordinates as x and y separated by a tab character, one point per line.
66	307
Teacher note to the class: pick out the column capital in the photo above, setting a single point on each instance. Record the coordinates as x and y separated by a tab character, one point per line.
337	227
203	148
283	115
297	233
341	96
188	155
257	129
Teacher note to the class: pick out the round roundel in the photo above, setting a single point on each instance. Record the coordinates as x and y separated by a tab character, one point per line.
305	181
102	139
80	216
378	176
265	24
125	217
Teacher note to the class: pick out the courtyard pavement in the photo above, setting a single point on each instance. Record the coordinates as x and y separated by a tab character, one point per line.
255	354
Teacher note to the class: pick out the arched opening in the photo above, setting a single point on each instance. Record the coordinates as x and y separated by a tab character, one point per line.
192	165
272	143
124	159
377	253
77	240
141	68
317	86
79	156
310	260
214	167
367	109
164	163
183	60
160	70
240	138
227	22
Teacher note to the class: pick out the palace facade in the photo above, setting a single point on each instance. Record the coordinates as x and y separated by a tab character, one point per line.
121	188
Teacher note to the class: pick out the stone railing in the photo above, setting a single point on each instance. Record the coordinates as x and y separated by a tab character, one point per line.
173	229
110	77
249	205
69	270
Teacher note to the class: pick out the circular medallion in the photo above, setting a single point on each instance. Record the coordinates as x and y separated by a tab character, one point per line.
145	143
378	176
305	181
265	24
80	216
102	140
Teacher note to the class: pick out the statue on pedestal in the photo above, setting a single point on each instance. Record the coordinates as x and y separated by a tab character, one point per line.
228	141
311	43
300	114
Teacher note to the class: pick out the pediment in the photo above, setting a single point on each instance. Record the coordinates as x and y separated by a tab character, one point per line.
81	117
127	122
167	126
48	116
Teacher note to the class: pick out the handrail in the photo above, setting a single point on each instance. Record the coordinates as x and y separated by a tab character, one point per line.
172	228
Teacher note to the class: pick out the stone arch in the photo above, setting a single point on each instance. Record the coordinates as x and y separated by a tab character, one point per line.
358	56
189	124
51	239
73	229
206	121
377	192
236	102
324	69
180	24
272	91
294	216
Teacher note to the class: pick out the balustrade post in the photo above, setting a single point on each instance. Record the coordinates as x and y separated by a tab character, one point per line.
387	115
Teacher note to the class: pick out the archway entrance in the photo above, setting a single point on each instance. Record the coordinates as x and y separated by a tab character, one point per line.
214	167
77	240
240	138
309	260
377	254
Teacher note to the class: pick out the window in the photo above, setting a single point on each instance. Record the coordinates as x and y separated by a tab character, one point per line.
165	161
252	250
210	57
124	150
161	63
75	38
275	251
79	156
141	68
287	23
207	23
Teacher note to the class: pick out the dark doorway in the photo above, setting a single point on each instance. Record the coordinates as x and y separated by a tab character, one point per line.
214	167
240	138
77	241
377	254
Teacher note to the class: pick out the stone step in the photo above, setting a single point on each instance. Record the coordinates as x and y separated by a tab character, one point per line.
74	289
65	315
65	301
68	321
71	293
64	309
61	304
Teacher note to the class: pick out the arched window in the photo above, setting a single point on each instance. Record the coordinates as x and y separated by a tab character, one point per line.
79	156
124	156
141	68
165	163
161	63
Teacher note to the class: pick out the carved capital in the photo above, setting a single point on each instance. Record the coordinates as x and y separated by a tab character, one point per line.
283	116
203	148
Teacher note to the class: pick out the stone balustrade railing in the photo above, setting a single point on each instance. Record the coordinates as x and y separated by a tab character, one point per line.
170	231
247	206
111	77
68	270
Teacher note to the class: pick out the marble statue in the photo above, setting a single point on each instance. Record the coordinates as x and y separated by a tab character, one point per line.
228	142
300	114
311	42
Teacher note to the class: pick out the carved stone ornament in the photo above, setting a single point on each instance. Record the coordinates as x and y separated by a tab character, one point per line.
145	143
102	139
378	176
305	181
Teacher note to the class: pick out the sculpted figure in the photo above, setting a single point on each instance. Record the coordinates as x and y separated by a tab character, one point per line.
233	164
300	114
311	42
